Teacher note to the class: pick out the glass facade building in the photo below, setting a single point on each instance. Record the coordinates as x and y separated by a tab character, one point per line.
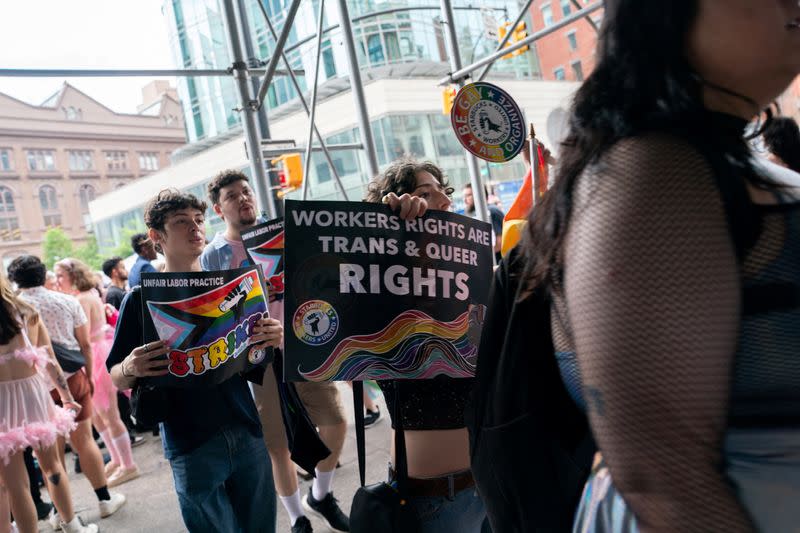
385	33
394	40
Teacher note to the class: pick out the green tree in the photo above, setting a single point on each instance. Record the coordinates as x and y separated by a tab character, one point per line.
89	254
123	248
56	246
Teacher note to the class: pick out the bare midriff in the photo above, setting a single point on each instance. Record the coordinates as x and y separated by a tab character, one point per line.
436	453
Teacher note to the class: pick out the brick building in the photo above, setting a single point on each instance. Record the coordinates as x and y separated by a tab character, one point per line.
58	156
567	54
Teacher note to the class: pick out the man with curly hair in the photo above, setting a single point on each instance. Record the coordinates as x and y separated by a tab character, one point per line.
212	436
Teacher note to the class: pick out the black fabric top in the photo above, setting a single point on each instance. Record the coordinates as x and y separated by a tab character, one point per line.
667	337
429	404
194	415
114	296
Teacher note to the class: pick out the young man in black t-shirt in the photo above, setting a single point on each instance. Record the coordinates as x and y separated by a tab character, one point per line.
212	436
115	269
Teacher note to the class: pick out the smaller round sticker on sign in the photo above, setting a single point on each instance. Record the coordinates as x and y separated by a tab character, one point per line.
488	122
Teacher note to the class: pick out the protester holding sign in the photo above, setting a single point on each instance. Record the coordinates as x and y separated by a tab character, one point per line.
234	201
432	410
212	436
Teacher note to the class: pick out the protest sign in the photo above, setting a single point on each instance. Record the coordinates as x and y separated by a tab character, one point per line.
371	296
207	319
264	245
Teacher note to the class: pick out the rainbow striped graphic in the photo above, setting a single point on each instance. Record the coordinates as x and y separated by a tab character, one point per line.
204	318
412	346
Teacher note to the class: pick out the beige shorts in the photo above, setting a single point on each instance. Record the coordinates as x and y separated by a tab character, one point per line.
321	399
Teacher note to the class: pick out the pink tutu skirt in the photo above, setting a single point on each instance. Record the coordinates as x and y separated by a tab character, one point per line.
104	390
28	416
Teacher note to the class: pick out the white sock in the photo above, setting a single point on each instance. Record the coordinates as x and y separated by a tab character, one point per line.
293	506
322	484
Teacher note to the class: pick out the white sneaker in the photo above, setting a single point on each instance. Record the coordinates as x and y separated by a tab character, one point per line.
109	507
54	520
77	526
14	527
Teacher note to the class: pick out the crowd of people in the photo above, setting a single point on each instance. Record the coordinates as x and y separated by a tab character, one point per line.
667	251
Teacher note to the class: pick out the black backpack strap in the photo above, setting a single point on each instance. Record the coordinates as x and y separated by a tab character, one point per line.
401	468
358	408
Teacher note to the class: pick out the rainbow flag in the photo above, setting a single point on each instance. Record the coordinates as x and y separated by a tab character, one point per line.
517	215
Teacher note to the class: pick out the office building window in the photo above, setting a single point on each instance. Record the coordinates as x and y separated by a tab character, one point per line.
86	194
41	160
547	15
117	160
9	225
148	160
577	69
566	7
80	160
6	159
48	201
572	38
559	74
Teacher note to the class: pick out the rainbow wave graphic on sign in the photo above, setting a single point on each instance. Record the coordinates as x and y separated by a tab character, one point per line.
205	318
412	346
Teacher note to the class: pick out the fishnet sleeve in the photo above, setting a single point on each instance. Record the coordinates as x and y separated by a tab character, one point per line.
652	291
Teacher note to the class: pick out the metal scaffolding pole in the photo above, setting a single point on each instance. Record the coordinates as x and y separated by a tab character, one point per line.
592	23
241	74
261	114
312	114
358	89
461	73
276	54
507	37
374	14
296	84
455	63
116	73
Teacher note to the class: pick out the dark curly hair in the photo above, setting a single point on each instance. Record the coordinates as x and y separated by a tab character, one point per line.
782	139
400	177
27	271
138	241
167	201
110	264
223	179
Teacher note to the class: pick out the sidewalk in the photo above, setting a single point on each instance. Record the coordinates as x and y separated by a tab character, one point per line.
153	506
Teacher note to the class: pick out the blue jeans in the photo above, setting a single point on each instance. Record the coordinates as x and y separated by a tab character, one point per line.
465	513
226	484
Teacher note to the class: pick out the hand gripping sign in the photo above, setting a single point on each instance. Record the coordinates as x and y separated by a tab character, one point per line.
207	319
488	122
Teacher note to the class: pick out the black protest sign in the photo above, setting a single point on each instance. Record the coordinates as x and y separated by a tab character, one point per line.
264	245
371	296
207	319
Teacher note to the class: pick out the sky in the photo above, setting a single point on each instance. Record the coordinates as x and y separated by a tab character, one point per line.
75	34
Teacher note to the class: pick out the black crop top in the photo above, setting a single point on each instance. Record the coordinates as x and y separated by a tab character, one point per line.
429	404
